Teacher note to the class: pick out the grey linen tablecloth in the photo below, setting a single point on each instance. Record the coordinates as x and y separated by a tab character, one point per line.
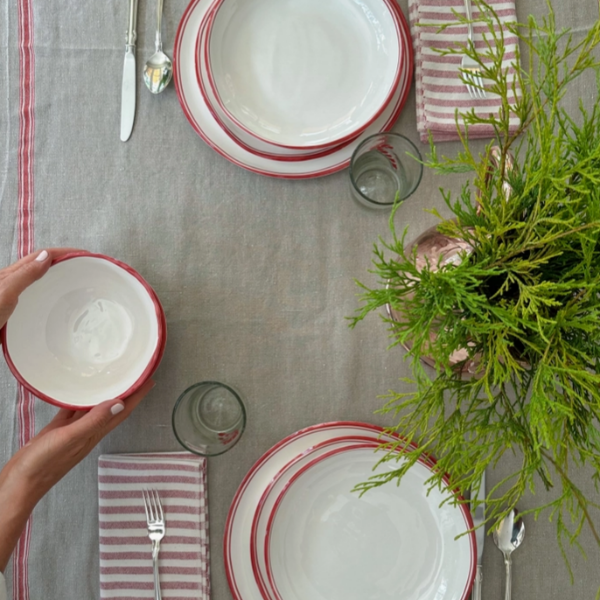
255	275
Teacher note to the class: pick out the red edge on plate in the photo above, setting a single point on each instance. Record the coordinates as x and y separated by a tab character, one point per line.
209	17
152	364
335	168
351	440
294	436
391	6
427	462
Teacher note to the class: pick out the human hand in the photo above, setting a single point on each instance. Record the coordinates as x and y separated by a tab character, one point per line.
49	456
67	439
20	275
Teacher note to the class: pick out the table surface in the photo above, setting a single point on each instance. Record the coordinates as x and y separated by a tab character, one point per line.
256	276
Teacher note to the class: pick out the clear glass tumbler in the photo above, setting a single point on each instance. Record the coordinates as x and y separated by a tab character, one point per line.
209	418
383	167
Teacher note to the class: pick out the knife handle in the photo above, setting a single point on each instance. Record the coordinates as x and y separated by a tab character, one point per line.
131	34
476	595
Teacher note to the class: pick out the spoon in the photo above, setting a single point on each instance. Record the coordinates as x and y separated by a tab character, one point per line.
508	536
158	69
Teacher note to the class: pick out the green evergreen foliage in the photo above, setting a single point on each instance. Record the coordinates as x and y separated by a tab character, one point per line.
525	299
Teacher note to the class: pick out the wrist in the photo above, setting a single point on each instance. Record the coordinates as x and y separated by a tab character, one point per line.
17	484
17	500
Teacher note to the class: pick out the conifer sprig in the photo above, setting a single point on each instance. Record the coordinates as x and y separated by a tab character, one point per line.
524	301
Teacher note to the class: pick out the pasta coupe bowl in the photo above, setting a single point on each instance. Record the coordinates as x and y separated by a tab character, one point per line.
304	73
91	329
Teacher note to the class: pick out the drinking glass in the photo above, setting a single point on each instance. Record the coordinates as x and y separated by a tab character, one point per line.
209	418
383	167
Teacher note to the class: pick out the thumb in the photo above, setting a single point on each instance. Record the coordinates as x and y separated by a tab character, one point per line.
22	277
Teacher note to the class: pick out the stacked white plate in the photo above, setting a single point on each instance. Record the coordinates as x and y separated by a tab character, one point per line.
296	531
289	88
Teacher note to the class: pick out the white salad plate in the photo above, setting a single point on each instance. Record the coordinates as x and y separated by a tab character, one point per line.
272	492
204	123
238	528
244	139
90	330
304	73
325	542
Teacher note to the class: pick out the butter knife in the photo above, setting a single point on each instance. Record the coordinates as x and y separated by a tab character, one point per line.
478	519
128	85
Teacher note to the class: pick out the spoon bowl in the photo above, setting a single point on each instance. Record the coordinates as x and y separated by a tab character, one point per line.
508	536
158	71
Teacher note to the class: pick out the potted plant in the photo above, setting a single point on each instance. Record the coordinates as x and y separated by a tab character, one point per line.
507	306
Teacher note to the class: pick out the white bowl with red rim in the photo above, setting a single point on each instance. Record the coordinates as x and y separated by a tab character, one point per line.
202	119
91	329
304	73
242	137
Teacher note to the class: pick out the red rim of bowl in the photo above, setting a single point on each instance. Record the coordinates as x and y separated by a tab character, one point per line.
349	440
200	61
231	515
153	364
346	138
427	463
306	175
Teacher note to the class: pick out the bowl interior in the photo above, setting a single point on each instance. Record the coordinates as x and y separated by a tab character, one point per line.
84	333
303	73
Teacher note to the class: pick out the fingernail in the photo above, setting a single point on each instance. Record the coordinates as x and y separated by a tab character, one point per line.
115	409
42	256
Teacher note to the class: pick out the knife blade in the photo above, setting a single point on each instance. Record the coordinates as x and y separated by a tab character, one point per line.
478	519
128	83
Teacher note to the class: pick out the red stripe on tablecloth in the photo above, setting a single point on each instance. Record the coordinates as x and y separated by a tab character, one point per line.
25	245
164	555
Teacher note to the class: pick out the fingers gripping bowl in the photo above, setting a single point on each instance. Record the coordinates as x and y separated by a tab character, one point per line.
91	329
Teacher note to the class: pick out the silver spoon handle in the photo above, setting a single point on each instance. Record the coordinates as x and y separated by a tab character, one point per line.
508	565
476	595
159	11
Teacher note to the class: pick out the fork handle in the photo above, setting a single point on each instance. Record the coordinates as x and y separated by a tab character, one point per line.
470	18
155	549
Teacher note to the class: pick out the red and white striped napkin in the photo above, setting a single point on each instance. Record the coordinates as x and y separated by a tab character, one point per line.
439	89
125	549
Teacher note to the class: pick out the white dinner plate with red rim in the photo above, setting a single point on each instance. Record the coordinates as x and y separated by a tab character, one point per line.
304	73
272	492
236	545
203	122
244	139
325	542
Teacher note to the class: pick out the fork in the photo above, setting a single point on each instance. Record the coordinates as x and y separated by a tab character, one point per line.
470	69
156	531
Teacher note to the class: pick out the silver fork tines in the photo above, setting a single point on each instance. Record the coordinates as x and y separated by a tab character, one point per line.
156	531
469	68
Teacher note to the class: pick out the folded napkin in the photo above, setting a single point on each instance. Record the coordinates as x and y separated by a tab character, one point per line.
125	549
439	89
